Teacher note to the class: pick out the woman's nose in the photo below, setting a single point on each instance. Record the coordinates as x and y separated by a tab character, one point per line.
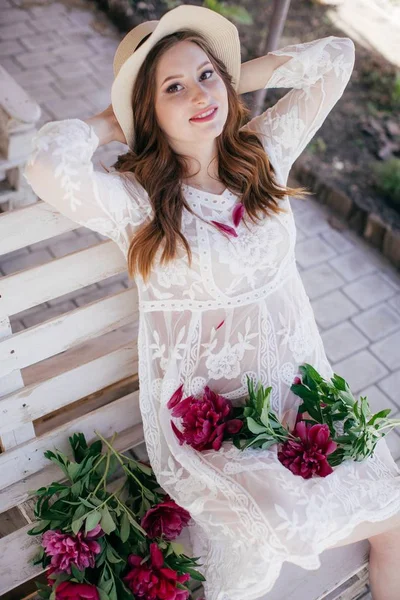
200	94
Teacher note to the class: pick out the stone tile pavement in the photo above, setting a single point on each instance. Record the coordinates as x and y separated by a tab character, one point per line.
62	55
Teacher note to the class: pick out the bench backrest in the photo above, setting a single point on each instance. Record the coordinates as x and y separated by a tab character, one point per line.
73	372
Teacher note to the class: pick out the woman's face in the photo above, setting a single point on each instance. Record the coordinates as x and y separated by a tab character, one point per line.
193	86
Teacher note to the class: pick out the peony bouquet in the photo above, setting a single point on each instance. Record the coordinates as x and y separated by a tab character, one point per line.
108	531
331	425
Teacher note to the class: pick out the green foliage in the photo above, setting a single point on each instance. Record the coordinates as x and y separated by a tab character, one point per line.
387	179
234	12
88	498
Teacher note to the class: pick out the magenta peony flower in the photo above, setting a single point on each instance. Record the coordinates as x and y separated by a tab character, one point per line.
225	228
238	213
66	549
205	421
307	457
166	519
152	581
68	590
297	381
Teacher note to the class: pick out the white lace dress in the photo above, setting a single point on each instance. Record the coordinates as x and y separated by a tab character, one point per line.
250	513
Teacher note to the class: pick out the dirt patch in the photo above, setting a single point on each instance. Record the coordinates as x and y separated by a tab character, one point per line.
361	130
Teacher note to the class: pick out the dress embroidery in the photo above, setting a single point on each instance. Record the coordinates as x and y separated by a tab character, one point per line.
250	514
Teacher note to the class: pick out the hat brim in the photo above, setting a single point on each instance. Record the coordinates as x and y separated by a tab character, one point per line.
220	33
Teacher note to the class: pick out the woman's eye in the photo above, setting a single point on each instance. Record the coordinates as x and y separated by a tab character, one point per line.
170	89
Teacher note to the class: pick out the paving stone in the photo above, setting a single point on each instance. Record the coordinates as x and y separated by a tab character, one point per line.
17	30
100	293
391	386
343	340
31	311
378	321
75	51
104	45
77	85
36	59
320	280
337	240
378	400
68	246
14	254
353	265
313	221
63	237
393	441
120	278
50	22
104	77
45	40
300	235
388	350
13	15
10	47
48	313
33	77
44	92
70	69
360	370
313	251
53	9
26	261
99	98
395	303
68	108
10	65
16	325
333	308
369	290
74	295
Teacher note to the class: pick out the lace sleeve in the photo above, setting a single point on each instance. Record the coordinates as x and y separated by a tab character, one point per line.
319	72
60	171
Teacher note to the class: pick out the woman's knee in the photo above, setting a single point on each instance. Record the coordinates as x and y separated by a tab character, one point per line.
387	543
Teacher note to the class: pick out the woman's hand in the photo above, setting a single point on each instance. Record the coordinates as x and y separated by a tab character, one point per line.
107	127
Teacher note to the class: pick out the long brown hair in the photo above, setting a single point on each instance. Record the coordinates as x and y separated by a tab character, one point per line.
243	165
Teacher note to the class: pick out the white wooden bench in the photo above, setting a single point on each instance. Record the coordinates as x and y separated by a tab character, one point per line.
78	372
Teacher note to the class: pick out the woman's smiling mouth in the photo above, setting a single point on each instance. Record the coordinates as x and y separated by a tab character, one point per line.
205	116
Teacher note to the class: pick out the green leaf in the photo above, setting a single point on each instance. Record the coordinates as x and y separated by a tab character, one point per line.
39	528
77	524
112	556
254	426
107	523
195	574
379	415
125	528
102	594
92	520
177	548
79	575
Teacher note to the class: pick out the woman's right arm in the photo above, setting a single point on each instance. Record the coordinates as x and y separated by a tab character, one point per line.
60	171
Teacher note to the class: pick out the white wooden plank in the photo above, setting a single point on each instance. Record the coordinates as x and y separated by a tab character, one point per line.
18	544
17	493
60	333
9	383
28	458
337	565
29	225
39	399
60	276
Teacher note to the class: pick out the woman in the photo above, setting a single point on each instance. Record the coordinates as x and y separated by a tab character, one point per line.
221	298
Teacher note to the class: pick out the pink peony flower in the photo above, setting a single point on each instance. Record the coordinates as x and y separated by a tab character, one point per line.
220	325
66	549
225	228
50	580
238	213
166	519
68	590
307	457
205	421
152	581
297	381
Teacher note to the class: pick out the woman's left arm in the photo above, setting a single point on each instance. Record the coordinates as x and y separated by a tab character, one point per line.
318	71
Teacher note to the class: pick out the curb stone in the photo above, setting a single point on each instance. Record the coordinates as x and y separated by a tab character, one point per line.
370	226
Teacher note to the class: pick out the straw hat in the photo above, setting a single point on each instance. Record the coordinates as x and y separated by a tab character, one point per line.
221	34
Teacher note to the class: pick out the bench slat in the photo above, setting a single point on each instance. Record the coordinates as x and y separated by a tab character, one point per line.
26	459
60	276
65	331
39	399
17	493
31	224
